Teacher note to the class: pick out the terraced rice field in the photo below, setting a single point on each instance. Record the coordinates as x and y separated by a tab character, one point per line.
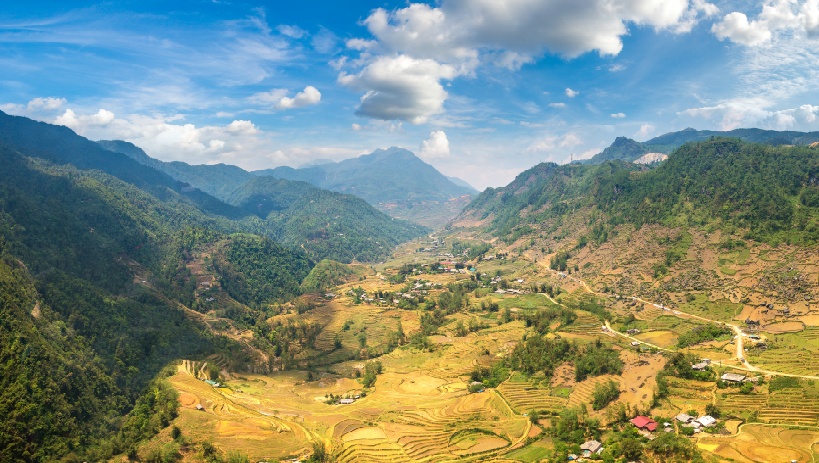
790	406
674	324
793	361
523	397
738	404
584	324
686	395
582	391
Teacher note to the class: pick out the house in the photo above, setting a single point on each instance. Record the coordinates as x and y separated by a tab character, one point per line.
346	401
635	343
732	377
633	331
644	423
707	421
591	447
200	407
684	418
699	366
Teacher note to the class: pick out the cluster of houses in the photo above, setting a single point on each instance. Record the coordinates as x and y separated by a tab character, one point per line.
647	425
705	421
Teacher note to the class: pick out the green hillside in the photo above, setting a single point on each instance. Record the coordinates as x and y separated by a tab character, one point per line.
626	149
765	192
325	224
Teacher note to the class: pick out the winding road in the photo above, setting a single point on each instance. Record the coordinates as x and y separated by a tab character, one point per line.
745	366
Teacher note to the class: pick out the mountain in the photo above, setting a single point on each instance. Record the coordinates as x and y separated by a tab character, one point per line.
463	183
95	297
623	148
395	181
325	224
766	193
628	150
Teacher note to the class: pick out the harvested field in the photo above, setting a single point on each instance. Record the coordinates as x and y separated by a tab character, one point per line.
784	327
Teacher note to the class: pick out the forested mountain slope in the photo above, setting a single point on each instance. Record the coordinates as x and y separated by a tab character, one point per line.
767	193
626	149
326	224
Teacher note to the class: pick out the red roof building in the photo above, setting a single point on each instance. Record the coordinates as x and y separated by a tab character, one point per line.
644	422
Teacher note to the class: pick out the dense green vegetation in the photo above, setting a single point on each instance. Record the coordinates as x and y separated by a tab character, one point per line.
256	270
539	354
325	275
605	393
765	193
93	270
702	333
324	224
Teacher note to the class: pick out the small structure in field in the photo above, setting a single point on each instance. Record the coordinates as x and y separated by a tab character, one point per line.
591	447
684	418
707	421
732	377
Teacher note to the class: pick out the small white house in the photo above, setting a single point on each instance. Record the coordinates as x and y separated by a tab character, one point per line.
707	421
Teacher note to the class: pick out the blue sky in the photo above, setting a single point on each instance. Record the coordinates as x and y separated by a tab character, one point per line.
481	89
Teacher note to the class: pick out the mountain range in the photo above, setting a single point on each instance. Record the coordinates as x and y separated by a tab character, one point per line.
113	265
394	180
626	149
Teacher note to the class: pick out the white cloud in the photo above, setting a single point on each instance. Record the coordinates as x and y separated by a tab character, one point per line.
427	44
571	93
554	142
45	103
79	124
736	27
400	88
645	131
294	32
618	115
309	96
435	147
777	16
557	105
617	68
752	112
356	127
278	98
460	28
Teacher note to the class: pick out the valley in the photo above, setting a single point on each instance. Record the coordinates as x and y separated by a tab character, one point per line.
421	409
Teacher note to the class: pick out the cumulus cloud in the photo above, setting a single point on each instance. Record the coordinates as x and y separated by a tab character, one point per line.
309	96
427	44
795	16
752	112
278	99
737	28
571	93
618	115
459	28
645	131
435	147
401	88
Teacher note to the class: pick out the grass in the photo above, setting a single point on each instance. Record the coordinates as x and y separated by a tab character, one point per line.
533	452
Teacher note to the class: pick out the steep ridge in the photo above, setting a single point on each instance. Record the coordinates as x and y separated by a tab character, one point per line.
325	224
626	149
765	192
393	180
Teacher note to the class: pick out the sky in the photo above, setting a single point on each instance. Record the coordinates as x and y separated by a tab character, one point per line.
480	89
